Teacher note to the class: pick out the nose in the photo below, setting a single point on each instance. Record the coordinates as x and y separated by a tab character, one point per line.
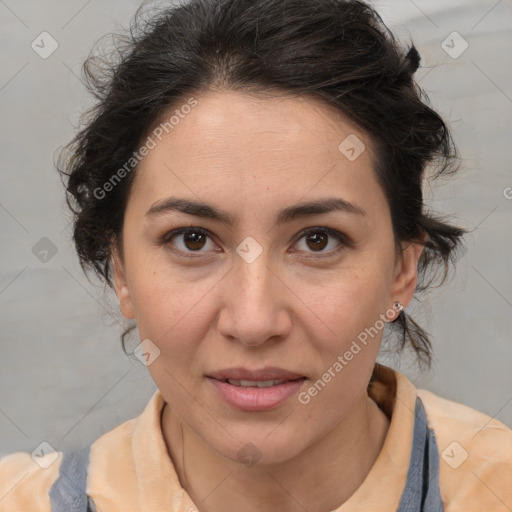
255	304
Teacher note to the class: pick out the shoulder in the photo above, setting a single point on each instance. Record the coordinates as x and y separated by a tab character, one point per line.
112	477
25	481
475	456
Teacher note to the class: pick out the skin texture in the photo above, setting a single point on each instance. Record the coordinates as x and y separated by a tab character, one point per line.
290	308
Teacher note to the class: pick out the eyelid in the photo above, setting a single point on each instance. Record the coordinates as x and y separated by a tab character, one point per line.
338	235
181	230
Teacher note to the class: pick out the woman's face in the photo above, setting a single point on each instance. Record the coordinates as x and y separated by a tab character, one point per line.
245	289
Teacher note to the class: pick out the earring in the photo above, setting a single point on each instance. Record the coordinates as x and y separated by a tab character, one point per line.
398	306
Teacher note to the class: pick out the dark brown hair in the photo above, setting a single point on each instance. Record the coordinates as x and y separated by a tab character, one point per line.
339	51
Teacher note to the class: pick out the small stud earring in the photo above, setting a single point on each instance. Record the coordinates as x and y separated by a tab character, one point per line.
398	306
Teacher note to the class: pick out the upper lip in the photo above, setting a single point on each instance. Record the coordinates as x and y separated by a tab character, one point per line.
269	373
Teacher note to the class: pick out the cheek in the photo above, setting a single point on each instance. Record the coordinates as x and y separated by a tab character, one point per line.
172	309
353	300
347	352
347	338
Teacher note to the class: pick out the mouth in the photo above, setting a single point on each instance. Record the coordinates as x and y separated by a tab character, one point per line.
264	374
258	383
259	391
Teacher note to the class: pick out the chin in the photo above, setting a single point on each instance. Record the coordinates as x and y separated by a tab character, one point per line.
248	449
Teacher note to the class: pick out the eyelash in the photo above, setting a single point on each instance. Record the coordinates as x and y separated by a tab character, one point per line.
340	237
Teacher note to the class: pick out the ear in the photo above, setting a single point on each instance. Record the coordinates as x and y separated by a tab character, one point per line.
121	285
406	273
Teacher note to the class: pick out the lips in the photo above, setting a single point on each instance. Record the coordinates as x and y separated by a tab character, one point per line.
256	390
264	374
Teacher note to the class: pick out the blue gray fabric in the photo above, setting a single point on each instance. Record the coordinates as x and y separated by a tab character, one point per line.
421	492
67	493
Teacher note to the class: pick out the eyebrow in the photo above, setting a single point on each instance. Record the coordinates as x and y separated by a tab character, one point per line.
200	209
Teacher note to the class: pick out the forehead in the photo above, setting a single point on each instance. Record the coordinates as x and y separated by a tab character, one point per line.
247	123
234	145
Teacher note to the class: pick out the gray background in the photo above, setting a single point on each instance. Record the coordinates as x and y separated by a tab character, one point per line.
63	376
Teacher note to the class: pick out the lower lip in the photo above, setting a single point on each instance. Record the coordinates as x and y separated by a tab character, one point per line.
257	399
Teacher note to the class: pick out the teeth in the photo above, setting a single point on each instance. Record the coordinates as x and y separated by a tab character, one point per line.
255	383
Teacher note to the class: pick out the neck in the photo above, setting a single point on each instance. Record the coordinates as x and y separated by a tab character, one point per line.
314	480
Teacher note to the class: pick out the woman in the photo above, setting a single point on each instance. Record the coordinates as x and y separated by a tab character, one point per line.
250	184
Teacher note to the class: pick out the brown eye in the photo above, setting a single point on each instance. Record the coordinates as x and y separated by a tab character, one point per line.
317	241
318	238
187	240
194	240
